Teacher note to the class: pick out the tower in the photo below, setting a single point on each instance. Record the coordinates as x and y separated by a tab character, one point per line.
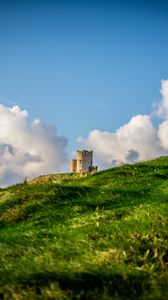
83	163
73	166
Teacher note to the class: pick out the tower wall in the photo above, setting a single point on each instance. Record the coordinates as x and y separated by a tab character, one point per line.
84	161
73	166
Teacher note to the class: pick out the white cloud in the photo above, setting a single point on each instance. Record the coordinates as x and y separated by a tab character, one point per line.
33	149
28	149
136	141
162	106
163	134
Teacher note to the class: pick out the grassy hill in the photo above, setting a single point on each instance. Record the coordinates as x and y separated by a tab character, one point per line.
98	237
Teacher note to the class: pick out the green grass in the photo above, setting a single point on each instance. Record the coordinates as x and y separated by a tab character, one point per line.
98	237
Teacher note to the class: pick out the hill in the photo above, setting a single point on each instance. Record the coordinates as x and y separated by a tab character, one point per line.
103	236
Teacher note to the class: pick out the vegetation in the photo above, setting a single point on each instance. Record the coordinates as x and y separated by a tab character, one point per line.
97	237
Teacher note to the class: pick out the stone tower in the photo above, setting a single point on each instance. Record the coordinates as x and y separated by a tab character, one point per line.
73	166
83	163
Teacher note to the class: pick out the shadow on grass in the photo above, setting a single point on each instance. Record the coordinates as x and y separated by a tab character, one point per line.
55	202
84	285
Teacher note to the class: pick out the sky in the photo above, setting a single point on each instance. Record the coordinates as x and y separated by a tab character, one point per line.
74	73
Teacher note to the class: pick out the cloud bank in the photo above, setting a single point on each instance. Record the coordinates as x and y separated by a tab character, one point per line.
137	140
34	149
27	149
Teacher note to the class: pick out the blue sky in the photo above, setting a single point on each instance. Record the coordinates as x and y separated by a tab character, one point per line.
83	65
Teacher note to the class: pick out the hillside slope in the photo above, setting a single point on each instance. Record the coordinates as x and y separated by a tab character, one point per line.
102	236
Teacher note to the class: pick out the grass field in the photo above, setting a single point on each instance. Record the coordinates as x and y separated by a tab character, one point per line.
98	237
